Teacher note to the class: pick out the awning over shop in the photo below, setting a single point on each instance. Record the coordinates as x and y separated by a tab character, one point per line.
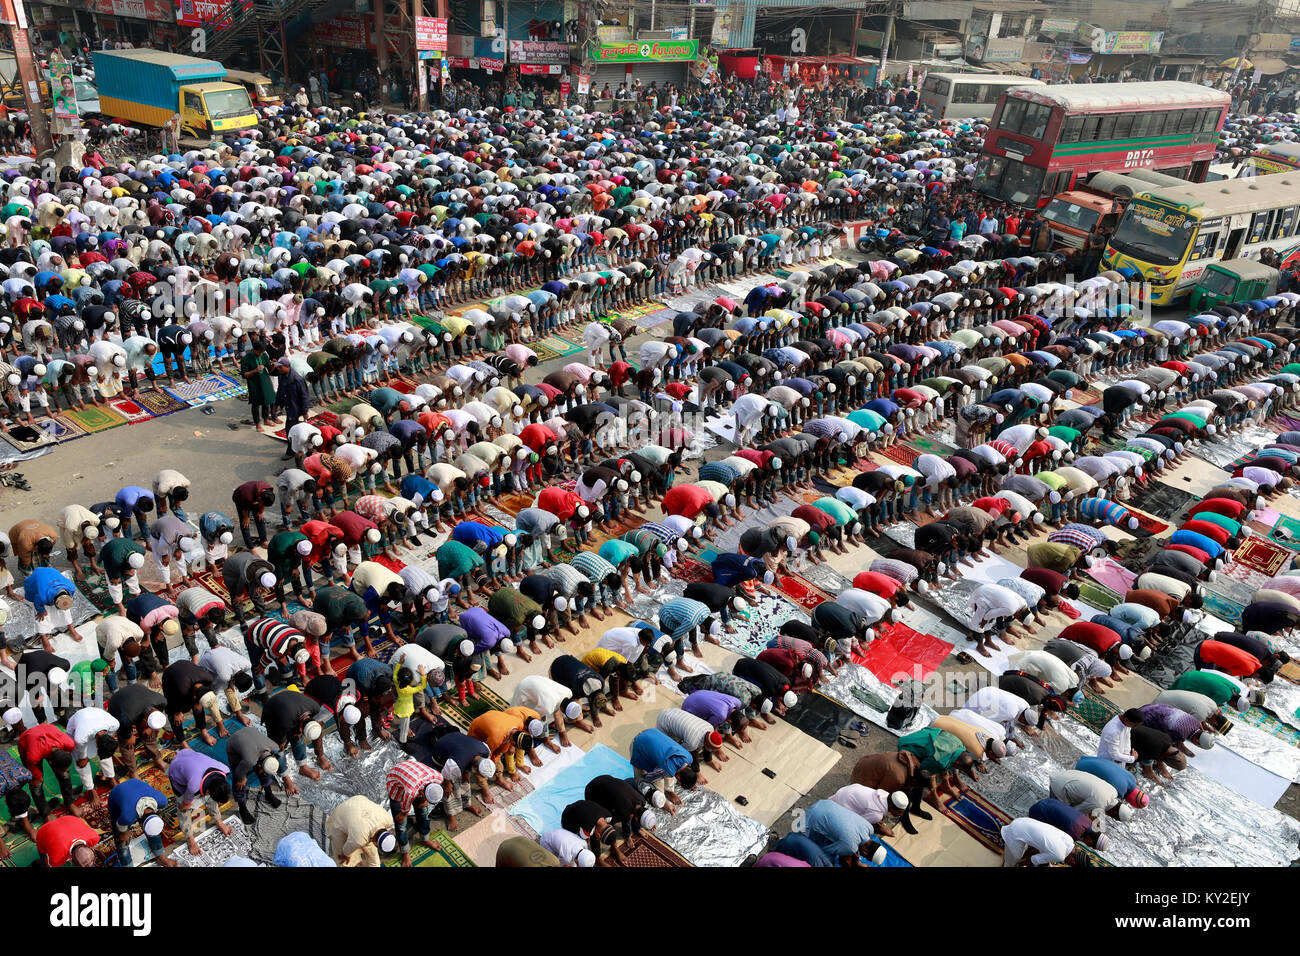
1271	66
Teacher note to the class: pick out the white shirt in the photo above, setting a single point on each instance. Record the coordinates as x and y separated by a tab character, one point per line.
1116	742
997	704
565	845
871	607
415	657
623	640
989	602
1025	833
542	695
87	722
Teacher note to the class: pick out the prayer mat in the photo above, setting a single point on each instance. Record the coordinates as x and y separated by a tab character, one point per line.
1270	725
1093	711
319	419
978	817
27	438
211	388
1263	555
819	717
901	650
1222	607
651	853
462	714
95	418
1098	596
448	854
1086	397
130	410
95	589
1286	532
1110	574
544	352
800	590
824	486
1095	859
1162	500
159	403
389	563
61	429
1148	525
900	453
929	446
515	502
654	319
691	570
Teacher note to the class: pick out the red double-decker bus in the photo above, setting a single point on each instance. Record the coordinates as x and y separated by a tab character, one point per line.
1043	140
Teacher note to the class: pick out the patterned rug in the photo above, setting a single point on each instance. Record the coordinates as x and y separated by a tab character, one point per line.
26	438
651	852
159	403
1291	529
1147	524
800	590
1270	725
319	419
978	817
448	854
691	570
899	649
1098	596
61	429
514	503
1222	607
902	454
1093	712
462	715
211	388
1263	555
96	418
928	446
130	410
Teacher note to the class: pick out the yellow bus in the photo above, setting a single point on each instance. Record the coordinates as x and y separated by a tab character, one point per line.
1169	235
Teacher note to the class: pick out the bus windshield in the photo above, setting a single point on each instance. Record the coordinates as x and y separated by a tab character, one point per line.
224	103
1009	180
1154	233
1064	213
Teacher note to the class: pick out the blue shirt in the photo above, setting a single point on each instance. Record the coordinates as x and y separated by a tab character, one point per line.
475	532
43	587
653	749
299	849
123	800
801	848
366	671
1111	772
732	569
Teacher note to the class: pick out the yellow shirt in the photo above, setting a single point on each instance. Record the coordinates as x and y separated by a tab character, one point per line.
598	657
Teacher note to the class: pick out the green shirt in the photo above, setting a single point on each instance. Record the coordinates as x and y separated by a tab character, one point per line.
260	390
513	608
1214	686
937	749
455	559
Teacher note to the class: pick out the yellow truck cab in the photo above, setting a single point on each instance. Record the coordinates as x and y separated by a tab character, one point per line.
214	108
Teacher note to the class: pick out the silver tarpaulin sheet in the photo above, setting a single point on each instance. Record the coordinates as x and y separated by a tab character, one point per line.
708	831
1222	450
1282	699
363	775
868	696
1193	821
826	578
1263	749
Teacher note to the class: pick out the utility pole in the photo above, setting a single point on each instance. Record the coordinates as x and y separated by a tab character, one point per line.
13	15
886	40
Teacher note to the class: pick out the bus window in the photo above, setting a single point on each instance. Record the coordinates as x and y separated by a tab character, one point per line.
1187	121
1141	124
1209	120
1205	243
1259	224
1158	123
1013	113
1124	125
1072	129
1035	125
1285	221
1106	130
